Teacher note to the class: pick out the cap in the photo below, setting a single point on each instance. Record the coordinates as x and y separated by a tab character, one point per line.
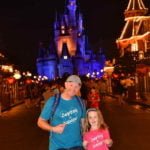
74	78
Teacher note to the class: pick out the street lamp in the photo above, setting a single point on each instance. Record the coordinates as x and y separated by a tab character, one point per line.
17	75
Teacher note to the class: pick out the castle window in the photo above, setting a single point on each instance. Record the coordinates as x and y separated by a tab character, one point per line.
79	34
65	57
72	3
141	54
62	31
62	27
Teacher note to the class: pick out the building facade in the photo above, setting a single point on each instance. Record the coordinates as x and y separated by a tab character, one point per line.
134	44
69	51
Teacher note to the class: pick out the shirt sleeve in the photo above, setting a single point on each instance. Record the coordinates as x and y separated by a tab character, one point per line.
106	134
46	111
85	137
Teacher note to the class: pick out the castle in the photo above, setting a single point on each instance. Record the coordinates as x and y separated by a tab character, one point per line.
69	51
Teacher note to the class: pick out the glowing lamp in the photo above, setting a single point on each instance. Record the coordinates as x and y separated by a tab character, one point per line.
17	75
10	80
28	81
115	75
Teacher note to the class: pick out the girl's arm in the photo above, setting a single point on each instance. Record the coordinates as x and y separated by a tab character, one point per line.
108	142
85	144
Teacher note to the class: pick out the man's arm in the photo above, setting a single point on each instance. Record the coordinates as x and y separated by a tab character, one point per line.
44	124
82	124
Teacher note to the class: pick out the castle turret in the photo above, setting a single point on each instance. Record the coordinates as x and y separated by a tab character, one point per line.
42	50
47	62
80	25
71	7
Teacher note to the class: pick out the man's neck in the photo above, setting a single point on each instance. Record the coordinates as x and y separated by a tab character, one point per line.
66	96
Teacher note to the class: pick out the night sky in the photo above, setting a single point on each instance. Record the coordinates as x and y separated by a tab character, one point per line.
24	23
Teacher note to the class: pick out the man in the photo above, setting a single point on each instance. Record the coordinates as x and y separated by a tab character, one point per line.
65	127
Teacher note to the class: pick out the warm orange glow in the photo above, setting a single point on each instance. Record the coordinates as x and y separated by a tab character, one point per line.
28	81
71	44
10	80
7	68
115	75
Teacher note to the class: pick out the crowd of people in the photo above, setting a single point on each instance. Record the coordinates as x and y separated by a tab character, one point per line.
71	114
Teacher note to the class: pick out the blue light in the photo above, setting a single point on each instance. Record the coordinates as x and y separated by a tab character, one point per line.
75	57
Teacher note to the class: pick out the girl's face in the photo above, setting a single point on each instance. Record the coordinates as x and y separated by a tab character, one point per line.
93	91
93	119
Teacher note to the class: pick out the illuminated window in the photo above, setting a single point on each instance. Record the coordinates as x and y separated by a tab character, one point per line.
141	54
79	34
72	3
62	27
63	31
134	47
65	57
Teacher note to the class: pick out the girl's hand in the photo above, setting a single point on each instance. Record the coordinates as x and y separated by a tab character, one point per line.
85	144
108	142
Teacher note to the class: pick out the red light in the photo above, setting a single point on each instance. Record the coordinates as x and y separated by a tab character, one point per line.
10	80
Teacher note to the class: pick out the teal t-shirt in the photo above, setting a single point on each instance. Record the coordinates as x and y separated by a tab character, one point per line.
69	112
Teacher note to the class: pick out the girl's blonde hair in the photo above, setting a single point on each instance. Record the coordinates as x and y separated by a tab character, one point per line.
101	123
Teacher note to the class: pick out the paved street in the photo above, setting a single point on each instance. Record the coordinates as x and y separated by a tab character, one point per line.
129	127
18	130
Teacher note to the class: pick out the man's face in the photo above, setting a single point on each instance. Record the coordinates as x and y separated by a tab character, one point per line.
72	88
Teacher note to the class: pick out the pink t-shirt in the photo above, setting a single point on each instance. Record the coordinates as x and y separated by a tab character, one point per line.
95	139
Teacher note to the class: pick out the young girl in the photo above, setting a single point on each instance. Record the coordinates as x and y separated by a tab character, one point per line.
96	134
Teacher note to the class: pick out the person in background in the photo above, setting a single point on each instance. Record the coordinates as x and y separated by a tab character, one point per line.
118	91
103	88
29	95
55	88
93	98
65	127
47	93
96	134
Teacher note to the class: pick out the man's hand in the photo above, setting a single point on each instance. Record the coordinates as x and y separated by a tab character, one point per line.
59	128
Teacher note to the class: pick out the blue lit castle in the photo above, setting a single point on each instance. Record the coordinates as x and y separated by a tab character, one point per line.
69	52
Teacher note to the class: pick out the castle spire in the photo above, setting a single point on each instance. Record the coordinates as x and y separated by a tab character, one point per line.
71	7
80	23
135	8
55	22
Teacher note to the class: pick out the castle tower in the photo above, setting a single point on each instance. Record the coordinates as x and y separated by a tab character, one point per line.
68	52
71	8
47	62
68	28
136	32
